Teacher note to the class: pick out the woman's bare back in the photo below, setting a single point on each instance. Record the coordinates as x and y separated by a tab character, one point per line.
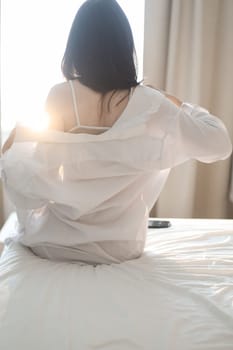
92	109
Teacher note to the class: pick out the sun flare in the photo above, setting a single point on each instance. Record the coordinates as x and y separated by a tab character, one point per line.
24	90
39	122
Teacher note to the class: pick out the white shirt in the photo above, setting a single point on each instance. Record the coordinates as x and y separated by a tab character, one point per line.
70	189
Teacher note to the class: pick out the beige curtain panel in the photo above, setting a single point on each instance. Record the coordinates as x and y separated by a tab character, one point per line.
189	53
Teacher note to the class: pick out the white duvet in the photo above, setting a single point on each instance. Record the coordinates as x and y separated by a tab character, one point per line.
177	296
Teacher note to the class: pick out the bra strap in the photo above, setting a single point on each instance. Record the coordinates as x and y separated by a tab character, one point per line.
74	102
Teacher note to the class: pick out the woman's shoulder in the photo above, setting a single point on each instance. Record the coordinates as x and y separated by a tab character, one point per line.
149	94
58	90
153	91
57	103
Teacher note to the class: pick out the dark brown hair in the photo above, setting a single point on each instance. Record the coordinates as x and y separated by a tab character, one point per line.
100	51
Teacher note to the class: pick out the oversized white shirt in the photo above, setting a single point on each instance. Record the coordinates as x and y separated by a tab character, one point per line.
70	189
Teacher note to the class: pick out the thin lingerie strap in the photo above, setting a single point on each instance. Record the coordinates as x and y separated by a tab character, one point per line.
74	103
77	115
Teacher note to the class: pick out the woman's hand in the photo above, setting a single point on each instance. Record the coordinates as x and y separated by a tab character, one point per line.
173	99
9	142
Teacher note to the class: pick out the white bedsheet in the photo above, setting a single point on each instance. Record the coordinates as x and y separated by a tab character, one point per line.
177	296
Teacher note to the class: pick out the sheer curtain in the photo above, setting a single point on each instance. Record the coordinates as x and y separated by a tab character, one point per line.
1	195
189	53
1	191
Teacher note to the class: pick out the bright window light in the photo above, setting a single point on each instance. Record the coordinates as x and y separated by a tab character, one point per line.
34	35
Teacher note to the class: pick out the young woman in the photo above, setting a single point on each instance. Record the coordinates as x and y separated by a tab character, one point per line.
83	189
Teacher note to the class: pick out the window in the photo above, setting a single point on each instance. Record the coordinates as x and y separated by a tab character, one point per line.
34	35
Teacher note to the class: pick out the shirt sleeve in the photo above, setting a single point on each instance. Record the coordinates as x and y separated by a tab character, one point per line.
191	132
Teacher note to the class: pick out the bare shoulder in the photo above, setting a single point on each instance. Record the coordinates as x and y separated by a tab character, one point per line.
57	93
56	105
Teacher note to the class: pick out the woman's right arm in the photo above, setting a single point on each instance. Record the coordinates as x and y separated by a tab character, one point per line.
192	133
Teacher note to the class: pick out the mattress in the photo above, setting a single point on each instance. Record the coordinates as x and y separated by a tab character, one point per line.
177	296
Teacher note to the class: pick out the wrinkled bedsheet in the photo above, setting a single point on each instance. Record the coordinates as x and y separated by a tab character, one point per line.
177	296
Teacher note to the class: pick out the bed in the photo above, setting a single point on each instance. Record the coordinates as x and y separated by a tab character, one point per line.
177	296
